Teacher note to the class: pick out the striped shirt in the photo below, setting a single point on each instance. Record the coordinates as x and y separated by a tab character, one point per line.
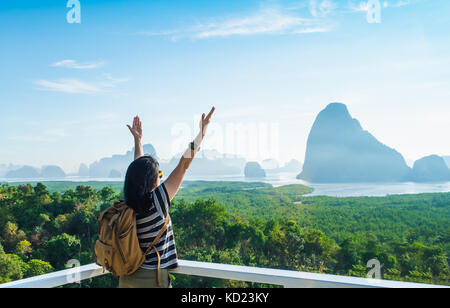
149	223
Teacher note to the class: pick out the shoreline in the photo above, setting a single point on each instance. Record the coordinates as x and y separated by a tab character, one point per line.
320	189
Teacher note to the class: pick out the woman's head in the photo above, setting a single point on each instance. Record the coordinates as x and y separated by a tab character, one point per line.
141	179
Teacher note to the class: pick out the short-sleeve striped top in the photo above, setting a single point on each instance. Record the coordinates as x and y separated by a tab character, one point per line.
149	223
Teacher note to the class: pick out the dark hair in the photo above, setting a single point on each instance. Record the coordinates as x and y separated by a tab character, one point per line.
140	181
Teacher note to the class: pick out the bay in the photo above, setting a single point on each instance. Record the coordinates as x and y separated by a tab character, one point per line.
280	179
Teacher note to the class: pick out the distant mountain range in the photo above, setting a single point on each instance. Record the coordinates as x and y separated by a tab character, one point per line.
271	166
339	150
114	166
206	163
4	168
28	172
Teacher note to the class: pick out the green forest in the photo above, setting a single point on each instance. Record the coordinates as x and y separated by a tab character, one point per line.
254	224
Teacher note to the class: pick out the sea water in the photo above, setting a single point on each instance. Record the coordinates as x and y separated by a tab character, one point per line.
279	179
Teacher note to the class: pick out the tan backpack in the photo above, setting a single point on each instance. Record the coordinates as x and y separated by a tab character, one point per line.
117	248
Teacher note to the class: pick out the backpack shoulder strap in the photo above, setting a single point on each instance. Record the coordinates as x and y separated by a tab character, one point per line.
152	246
163	229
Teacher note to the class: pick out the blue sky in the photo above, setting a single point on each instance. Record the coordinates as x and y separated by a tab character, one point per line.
68	90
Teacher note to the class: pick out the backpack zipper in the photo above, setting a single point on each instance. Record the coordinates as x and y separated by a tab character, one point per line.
126	232
118	244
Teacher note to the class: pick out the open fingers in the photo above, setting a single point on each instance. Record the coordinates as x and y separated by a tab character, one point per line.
210	114
139	125
131	130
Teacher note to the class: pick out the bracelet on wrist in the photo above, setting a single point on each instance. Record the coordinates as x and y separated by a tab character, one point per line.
194	147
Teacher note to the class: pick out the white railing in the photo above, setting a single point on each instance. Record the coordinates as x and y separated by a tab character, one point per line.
288	279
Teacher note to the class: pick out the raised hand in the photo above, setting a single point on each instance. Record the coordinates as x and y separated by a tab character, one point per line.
204	122
136	130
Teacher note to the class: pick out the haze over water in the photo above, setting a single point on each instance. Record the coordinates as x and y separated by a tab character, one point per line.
344	189
332	189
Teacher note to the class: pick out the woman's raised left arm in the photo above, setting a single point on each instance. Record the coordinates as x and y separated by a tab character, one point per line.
175	179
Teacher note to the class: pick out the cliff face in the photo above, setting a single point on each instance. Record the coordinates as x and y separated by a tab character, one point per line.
254	170
52	172
447	161
430	169
83	170
339	150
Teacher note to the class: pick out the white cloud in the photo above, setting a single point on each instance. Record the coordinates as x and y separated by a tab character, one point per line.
75	86
299	17
312	30
263	22
81	66
72	86
267	21
111	81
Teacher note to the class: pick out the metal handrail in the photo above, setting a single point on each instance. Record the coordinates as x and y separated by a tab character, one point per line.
288	279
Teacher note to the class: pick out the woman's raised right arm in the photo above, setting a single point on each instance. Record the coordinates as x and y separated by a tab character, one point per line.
136	131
